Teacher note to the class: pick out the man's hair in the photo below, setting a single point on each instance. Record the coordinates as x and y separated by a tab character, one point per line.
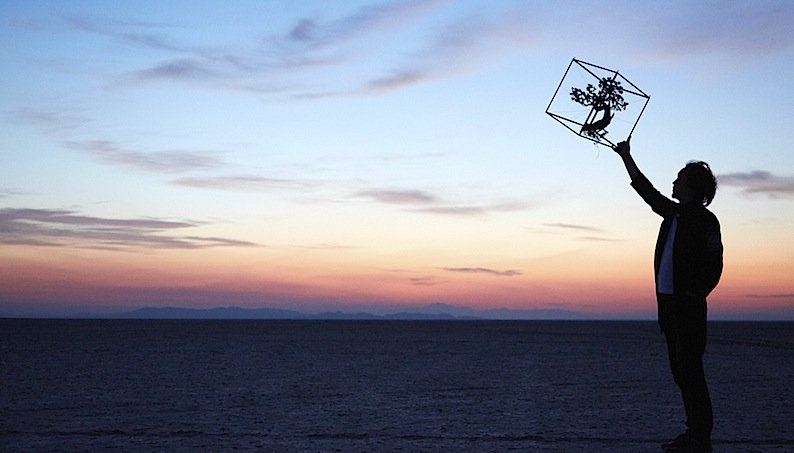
701	180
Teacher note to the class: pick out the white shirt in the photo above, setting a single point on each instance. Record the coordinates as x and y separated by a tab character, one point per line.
664	281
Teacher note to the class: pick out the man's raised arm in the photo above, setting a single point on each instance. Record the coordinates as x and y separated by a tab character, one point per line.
623	149
658	202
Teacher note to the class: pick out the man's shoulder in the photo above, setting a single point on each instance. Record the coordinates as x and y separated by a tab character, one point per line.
704	216
710	215
698	213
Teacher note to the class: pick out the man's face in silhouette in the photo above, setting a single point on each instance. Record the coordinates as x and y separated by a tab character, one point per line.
681	189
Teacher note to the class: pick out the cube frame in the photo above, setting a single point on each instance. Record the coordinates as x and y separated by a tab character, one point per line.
576	125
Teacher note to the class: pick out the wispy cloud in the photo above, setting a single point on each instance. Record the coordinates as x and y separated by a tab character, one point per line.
460	47
364	52
7	193
571	226
411	197
483	270
477	209
309	43
760	182
425	281
246	183
425	202
456	45
598	239
311	33
141	34
179	59
52	123
65	127
156	161
587	233
178	69
735	29
453	210
58	228
326	247
472	210
195	168
772	296
344	45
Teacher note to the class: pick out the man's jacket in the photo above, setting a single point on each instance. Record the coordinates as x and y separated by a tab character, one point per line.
697	250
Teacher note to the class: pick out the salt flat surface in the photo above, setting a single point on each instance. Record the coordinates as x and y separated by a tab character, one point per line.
413	386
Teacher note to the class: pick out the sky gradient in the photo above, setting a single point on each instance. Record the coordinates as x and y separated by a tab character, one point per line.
378	156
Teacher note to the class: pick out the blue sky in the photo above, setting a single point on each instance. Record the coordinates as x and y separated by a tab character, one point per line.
377	153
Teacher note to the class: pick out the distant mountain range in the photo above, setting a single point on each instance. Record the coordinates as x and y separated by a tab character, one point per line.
437	311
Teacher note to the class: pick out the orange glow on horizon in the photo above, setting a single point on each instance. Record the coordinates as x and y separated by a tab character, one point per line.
585	281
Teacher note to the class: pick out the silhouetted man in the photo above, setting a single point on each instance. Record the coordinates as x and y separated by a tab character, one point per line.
688	265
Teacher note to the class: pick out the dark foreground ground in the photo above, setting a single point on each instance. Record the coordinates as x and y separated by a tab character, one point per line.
142	385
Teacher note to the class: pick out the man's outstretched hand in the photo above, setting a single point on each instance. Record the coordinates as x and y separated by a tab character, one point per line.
623	148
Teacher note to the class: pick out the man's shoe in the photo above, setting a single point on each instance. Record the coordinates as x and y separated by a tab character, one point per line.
690	445
679	441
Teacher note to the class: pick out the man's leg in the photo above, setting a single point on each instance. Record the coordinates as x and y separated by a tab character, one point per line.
669	319
692	380
684	327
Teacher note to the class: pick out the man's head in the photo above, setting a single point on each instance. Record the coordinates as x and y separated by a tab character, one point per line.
695	182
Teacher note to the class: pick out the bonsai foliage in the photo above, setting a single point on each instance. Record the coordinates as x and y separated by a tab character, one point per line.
608	97
610	94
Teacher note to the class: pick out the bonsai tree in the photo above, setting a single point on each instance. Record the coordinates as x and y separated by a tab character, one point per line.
608	97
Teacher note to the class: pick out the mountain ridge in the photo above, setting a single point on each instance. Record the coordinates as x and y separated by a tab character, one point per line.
434	311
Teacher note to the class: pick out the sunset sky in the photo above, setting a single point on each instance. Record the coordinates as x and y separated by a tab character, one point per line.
380	155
